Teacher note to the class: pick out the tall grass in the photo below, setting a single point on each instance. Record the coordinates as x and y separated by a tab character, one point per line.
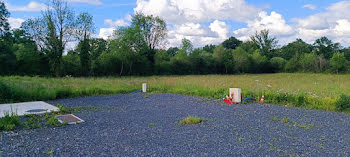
314	91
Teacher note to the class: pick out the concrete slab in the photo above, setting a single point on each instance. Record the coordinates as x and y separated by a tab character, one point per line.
36	107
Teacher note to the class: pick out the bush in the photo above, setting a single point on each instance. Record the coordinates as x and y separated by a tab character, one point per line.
343	102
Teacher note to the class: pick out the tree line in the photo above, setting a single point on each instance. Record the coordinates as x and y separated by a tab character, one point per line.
38	48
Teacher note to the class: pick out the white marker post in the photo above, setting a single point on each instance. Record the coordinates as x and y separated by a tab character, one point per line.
144	87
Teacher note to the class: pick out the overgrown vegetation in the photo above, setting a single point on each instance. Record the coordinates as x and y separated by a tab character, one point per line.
312	91
190	120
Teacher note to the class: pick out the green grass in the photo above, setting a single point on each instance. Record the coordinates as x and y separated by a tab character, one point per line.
190	120
312	91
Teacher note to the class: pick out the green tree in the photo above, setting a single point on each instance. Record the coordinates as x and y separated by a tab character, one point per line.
309	62
209	48
186	46
202	62
231	43
264	42
84	29
223	59
53	31
162	62
180	64
259	63
293	65
108	63
278	64
241	60
172	51
7	57
97	46
326	47
130	45
30	61
338	62
296	47
153	29
249	47
71	64
346	52
4	15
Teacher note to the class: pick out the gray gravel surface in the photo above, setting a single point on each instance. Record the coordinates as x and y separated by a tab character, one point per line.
145	125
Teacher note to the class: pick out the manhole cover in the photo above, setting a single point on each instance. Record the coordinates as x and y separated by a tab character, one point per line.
69	118
36	110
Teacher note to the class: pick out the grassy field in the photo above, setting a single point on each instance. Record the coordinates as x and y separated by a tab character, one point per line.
314	91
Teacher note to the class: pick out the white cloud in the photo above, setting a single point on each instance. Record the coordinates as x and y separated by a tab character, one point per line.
333	23
31	7
309	6
184	11
199	35
106	33
204	21
342	28
274	22
186	18
220	28
116	23
15	22
93	2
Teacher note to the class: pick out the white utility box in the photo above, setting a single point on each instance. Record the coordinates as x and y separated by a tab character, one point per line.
237	94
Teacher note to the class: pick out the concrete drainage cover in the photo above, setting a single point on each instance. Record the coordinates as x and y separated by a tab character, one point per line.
69	118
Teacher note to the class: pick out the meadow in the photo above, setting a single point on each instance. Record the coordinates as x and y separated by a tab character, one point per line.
312	91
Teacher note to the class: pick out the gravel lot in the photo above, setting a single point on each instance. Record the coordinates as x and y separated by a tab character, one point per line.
145	125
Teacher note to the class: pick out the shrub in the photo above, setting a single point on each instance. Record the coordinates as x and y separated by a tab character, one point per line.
343	102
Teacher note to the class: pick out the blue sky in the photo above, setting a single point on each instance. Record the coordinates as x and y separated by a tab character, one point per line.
212	21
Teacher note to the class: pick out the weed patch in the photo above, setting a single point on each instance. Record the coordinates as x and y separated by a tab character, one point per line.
9	121
33	122
190	120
